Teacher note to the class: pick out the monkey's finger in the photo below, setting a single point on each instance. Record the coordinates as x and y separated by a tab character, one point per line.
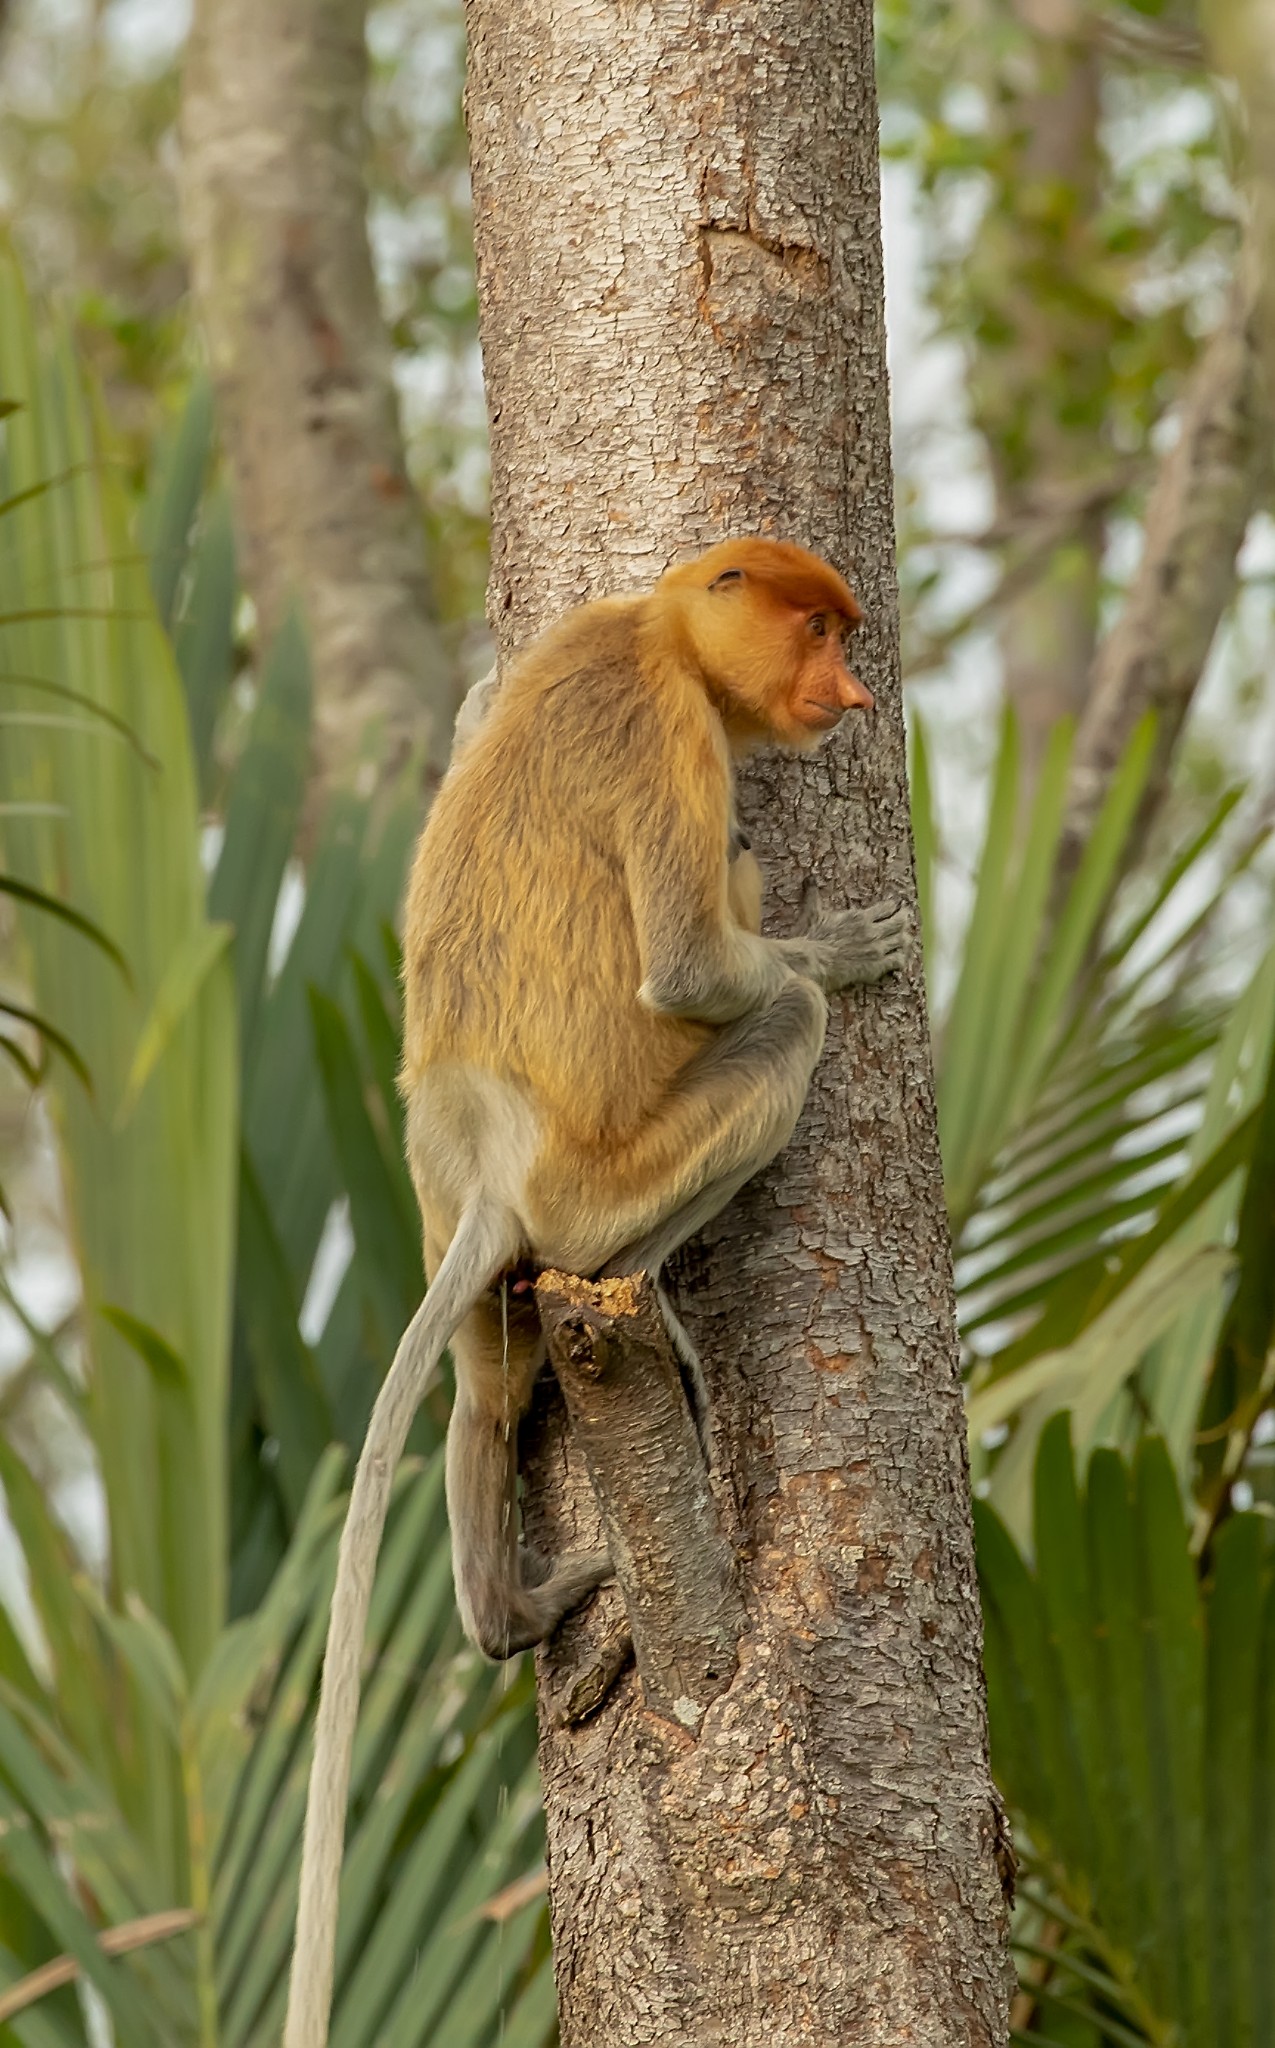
888	917
890	945
874	965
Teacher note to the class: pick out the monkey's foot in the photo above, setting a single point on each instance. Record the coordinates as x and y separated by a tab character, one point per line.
504	1619
588	1568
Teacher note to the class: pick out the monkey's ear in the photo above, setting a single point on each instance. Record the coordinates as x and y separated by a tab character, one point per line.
727	576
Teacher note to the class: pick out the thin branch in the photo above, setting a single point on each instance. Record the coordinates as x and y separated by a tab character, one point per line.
610	1351
113	1941
511	1898
1141	40
1047	520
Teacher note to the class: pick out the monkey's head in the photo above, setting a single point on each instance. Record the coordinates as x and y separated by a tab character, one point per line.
767	625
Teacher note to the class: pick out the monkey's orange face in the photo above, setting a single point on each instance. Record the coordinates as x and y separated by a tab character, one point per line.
781	665
768	623
823	688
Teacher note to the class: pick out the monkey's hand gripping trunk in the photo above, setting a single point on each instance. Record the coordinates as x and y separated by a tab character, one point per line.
488	1238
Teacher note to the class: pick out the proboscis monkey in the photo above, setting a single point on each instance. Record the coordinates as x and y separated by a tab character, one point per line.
599	1050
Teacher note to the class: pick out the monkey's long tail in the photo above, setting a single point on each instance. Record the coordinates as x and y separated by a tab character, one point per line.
487	1239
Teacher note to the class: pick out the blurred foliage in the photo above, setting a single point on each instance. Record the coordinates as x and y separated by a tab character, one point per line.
87	162
75	603
247	1249
423	238
1107	1123
1071	173
1132	1712
1110	278
89	99
1106	1091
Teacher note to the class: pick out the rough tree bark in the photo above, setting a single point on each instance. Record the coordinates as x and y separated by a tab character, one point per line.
275	202
681	301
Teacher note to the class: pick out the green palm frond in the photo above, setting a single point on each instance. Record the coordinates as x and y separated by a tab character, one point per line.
121	847
445	1811
1132	1711
1097	1109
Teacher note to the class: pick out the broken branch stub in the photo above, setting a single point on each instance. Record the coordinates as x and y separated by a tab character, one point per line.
623	1389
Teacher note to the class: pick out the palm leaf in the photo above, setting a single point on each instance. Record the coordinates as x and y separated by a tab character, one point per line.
1095	1110
172	503
151	1214
54	906
203	639
1132	1740
261	819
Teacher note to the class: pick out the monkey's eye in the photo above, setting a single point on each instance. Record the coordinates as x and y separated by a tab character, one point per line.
818	624
727	576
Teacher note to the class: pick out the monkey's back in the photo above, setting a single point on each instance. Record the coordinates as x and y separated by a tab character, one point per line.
521	954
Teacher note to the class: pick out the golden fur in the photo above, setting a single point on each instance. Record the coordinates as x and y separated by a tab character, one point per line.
523	955
583	838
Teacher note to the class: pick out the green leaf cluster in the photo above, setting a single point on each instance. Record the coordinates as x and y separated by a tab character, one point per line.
1104	1110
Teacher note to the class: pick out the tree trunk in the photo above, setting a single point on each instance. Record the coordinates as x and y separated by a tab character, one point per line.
275	205
1032	246
1206	490
681	303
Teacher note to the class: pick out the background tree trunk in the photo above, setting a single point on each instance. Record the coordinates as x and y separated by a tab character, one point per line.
1046	459
681	301
1208	485
275	203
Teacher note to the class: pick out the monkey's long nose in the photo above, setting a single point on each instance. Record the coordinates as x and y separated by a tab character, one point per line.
852	695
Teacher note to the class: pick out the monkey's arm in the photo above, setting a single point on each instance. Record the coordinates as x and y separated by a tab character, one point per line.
698	961
697	932
676	832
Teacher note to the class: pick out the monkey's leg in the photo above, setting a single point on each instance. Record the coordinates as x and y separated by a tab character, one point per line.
507	1598
732	1109
752	1079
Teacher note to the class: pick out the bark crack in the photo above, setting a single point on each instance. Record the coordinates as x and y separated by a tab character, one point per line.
800	263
